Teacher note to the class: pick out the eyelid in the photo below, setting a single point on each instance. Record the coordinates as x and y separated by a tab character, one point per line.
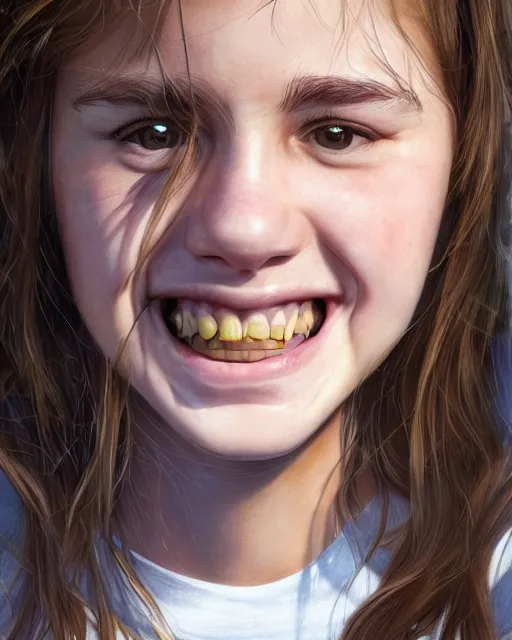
329	119
140	123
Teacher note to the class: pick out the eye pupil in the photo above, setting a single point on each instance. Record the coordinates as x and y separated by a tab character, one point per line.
159	136
334	137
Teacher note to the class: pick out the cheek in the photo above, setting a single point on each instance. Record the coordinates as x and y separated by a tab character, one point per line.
382	223
102	212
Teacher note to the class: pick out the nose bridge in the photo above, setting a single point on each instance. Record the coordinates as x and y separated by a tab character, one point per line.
241	213
244	179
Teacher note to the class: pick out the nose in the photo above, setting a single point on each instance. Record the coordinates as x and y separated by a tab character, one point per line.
241	212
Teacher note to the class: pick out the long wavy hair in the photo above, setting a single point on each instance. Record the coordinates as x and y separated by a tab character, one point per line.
426	422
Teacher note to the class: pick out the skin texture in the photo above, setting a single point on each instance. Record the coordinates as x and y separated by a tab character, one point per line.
232	462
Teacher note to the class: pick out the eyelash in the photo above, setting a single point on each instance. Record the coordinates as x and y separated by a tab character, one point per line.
121	134
328	119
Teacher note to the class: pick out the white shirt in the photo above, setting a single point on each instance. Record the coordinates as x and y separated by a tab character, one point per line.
312	604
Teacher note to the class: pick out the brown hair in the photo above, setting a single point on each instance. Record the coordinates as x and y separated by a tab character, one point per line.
424	422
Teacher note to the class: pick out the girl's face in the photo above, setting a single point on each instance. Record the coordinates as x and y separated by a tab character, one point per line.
319	178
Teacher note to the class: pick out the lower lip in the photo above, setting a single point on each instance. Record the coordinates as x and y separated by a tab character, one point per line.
236	373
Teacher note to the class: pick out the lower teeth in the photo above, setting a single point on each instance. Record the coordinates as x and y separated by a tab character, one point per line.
240	352
242	345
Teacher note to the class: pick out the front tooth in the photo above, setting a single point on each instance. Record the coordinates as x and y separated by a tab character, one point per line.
277	324
291	312
230	327
206	323
207	327
255	356
189	323
233	356
258	327
300	326
245	328
306	311
177	320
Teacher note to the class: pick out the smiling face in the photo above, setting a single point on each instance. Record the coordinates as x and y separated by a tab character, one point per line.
306	231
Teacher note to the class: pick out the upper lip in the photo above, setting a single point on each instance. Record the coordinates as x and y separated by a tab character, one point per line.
245	299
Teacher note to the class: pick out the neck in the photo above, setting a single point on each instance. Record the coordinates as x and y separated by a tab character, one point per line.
232	522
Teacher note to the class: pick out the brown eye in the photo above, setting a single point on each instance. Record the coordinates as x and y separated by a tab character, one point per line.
155	137
334	137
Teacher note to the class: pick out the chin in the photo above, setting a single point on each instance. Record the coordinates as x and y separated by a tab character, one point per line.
246	430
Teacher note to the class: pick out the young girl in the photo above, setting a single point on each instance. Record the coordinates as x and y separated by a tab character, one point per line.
255	365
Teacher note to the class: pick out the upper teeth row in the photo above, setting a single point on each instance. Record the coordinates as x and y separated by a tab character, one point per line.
277	323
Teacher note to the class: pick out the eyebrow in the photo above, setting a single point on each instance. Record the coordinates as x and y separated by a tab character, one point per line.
310	91
303	92
133	91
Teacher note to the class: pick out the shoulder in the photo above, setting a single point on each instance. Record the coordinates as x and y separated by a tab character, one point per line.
11	540
10	507
500	574
14	413
500	577
502	364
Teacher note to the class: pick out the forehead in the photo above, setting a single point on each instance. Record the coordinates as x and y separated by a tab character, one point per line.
252	49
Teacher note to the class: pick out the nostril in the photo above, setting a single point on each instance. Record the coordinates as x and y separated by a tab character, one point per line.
212	259
276	261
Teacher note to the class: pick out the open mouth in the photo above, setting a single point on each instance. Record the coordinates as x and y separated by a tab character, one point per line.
242	336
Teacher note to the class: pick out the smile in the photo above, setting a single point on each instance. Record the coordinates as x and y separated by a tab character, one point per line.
227	335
